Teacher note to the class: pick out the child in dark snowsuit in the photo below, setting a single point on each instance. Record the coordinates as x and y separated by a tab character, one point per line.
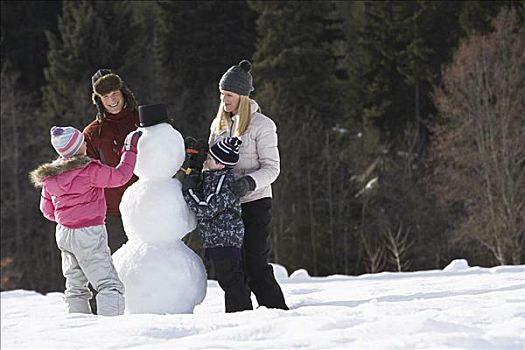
219	221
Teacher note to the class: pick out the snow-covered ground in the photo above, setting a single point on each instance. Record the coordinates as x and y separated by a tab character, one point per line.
459	307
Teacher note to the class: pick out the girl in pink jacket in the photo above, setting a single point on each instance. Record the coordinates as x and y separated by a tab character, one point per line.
73	197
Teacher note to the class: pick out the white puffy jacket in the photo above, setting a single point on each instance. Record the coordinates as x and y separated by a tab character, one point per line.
259	154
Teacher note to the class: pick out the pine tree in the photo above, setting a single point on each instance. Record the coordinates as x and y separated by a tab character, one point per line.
92	35
24	43
145	78
296	61
380	90
197	42
476	16
395	54
427	45
297	85
30	259
401	48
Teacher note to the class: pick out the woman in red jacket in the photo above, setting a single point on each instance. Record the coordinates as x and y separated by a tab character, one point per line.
117	116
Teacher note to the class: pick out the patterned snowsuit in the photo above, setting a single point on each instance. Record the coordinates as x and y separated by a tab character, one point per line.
218	210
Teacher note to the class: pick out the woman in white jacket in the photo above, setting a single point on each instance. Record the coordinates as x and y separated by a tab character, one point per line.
257	169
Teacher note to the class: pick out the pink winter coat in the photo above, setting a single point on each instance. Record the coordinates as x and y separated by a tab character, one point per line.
73	188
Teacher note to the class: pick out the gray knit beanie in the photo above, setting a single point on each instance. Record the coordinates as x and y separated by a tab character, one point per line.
238	79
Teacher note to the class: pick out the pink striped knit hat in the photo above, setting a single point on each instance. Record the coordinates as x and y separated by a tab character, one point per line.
66	140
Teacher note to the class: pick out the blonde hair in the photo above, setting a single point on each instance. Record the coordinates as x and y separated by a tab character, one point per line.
244	113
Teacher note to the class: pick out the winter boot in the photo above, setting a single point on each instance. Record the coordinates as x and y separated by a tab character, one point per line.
110	303
77	305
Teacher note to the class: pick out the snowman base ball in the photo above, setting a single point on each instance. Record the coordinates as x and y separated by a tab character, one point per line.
155	274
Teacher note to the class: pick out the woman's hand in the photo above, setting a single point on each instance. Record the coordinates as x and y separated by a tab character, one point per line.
190	182
243	185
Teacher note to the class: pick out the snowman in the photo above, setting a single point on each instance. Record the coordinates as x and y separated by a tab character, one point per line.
160	273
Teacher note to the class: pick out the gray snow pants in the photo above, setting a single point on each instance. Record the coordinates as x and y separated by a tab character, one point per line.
86	258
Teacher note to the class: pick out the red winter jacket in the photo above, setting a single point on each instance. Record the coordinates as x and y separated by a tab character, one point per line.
104	141
73	188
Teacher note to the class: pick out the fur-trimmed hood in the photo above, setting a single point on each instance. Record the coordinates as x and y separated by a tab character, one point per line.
57	167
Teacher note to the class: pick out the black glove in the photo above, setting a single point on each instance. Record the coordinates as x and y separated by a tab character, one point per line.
190	182
196	152
243	185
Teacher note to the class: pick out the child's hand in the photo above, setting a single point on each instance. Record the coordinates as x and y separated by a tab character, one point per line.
131	141
190	182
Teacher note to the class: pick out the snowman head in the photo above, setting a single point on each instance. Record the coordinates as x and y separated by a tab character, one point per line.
160	152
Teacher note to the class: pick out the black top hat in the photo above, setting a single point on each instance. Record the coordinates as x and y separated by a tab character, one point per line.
152	115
